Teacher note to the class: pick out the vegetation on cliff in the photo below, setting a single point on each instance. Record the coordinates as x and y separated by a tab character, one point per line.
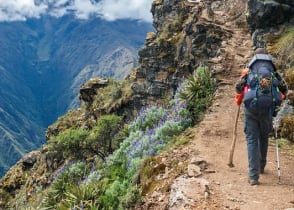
44	61
283	49
100	166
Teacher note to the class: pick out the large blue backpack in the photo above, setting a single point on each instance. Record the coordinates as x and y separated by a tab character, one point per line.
263	95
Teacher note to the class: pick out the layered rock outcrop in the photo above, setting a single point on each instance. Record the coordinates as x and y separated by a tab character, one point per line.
264	13
182	42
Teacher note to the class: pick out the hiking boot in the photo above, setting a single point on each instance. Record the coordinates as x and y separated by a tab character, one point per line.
253	182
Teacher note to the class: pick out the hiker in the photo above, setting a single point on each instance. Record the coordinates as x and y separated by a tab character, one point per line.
262	90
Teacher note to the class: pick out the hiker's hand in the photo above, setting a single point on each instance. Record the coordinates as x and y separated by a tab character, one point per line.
239	98
242	81
240	85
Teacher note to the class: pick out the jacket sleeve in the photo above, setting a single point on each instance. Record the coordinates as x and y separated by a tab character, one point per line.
282	85
239	87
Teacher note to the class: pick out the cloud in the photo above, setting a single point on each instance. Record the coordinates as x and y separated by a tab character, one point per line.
83	9
20	10
117	9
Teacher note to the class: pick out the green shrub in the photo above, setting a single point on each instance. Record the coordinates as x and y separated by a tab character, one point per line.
80	197
198	92
65	178
101	138
80	143
120	195
287	127
69	142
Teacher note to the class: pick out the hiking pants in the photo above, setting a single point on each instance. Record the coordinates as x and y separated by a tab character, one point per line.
257	129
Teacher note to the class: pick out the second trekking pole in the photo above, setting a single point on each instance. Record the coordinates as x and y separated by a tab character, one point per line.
277	152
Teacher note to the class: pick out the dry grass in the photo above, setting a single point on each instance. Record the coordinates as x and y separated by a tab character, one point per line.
283	48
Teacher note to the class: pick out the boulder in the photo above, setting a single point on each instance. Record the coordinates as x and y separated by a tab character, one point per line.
264	13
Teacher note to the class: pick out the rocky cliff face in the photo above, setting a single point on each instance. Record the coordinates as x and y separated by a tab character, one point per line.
183	41
264	14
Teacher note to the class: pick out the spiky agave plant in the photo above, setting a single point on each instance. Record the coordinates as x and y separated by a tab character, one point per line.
198	91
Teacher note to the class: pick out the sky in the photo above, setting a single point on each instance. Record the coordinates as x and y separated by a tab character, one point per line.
21	10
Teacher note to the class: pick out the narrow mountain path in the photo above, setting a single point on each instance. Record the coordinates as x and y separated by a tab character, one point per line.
196	175
214	135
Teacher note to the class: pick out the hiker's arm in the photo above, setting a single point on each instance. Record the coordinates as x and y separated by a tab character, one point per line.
282	84
240	85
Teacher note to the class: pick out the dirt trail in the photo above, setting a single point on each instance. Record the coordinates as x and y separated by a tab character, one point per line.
212	142
214	135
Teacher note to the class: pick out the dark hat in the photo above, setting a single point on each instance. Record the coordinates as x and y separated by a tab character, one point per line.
260	51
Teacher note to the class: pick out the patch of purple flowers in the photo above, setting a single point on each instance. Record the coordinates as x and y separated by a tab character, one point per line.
62	169
152	129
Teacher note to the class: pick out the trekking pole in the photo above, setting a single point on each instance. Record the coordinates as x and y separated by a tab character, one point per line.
285	110
277	151
230	164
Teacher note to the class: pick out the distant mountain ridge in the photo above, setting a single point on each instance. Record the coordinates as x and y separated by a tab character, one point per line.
43	62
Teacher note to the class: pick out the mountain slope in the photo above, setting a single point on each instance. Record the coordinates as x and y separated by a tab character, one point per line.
43	62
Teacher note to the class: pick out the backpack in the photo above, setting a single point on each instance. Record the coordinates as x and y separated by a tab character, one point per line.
263	94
